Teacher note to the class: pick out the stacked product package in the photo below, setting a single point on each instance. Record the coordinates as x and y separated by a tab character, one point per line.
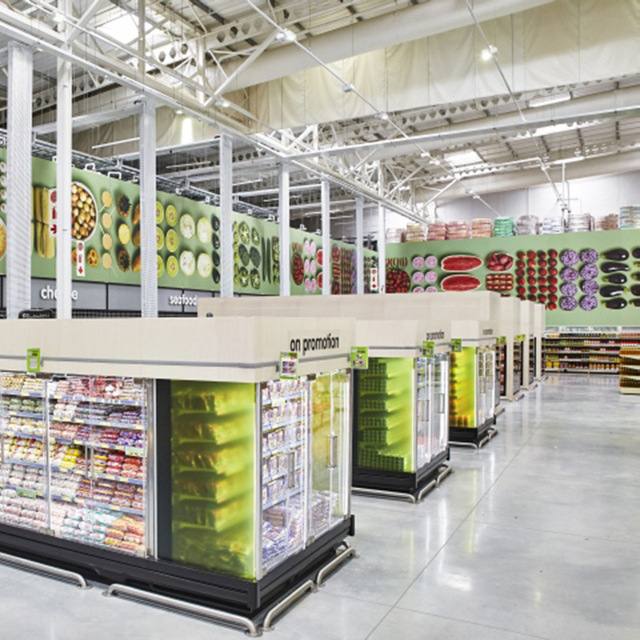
527	226
503	227
551	225
608	223
395	235
458	230
481	228
416	233
630	217
437	231
578	222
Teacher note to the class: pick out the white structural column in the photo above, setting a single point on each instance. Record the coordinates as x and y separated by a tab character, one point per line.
148	244
325	223
284	219
359	245
19	179
226	224
64	115
382	254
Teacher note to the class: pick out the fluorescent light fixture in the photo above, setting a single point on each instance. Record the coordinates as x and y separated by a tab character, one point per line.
383	115
469	156
568	160
286	36
347	88
435	161
554	98
489	53
425	154
179	112
115	142
222	103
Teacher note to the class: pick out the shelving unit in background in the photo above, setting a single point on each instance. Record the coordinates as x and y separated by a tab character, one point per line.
587	351
630	370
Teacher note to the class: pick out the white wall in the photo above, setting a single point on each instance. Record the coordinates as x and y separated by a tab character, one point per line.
597	195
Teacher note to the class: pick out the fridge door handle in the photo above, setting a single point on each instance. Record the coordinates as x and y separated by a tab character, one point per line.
441	403
291	470
333	451
427	412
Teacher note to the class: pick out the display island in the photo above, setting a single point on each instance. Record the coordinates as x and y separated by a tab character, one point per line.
401	391
179	459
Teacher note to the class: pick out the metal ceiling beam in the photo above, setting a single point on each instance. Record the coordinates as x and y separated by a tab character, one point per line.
22	28
411	23
621	104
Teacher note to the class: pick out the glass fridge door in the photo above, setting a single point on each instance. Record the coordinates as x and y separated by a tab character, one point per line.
285	417
24	500
330	452
440	405
490	381
481	388
424	404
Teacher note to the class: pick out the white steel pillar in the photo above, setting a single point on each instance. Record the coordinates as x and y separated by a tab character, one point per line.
148	245
19	116
285	231
359	246
325	223
64	115
226	224
382	254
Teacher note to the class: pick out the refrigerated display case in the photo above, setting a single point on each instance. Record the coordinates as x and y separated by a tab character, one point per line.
400	404
517	370
473	385
400	426
533	360
74	457
196	474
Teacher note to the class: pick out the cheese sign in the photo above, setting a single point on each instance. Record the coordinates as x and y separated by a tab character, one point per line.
456	345
288	365
428	349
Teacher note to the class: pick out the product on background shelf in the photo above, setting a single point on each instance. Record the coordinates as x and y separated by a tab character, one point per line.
577	222
503	227
458	230
527	226
551	225
481	228
394	235
609	222
416	233
436	231
630	217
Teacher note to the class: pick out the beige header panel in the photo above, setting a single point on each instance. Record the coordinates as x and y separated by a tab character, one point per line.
233	349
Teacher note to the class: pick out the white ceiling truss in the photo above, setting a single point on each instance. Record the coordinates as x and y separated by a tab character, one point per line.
189	54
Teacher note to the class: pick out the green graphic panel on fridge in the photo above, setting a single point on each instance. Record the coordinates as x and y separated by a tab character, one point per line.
385	415
462	399
212	456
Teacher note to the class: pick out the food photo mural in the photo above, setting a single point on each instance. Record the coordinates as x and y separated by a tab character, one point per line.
581	278
106	239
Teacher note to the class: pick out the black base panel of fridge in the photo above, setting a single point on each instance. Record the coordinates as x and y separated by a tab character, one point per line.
399	481
470	434
242	597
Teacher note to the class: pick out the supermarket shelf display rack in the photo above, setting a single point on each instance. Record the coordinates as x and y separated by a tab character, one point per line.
509	328
187	461
400	434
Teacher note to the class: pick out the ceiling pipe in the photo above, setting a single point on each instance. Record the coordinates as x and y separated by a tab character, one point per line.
405	25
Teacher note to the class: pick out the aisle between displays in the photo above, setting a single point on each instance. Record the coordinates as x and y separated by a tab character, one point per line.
401	389
182	467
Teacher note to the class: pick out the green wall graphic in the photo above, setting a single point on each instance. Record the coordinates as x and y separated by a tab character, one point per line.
582	278
106	239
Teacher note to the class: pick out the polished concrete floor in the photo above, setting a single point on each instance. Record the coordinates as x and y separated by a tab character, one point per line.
535	536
